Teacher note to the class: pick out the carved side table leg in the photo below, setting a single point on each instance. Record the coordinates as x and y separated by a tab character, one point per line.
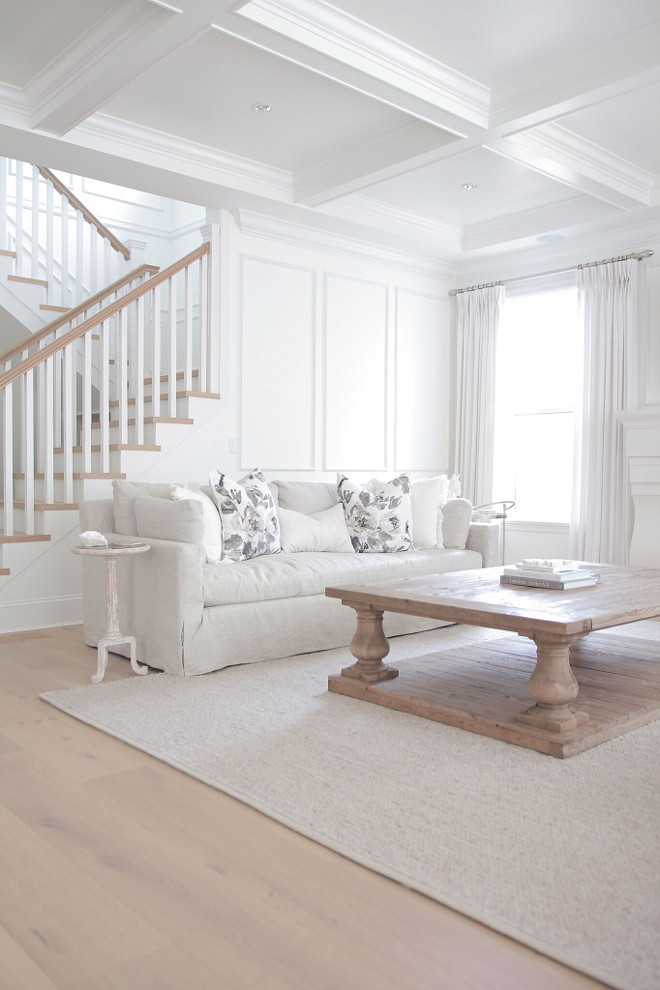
369	646
113	634
553	686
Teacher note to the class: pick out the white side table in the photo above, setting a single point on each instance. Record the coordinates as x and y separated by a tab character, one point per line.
113	634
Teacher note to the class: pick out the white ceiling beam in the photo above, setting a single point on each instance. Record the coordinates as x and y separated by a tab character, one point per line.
323	28
556	218
561	154
115	51
406	148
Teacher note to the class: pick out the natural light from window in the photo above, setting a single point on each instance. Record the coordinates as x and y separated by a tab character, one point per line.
538	385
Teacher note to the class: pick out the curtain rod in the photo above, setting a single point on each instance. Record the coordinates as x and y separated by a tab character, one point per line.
559	271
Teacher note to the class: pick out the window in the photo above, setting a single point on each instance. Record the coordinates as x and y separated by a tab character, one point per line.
537	390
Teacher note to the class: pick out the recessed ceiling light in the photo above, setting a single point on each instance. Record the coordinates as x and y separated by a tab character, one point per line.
469	186
262	107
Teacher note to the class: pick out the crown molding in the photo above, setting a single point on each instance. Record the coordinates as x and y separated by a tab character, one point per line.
325	29
372	212
560	153
272	228
531	223
384	156
158	149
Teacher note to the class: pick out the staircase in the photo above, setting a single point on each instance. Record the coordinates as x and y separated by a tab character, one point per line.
100	392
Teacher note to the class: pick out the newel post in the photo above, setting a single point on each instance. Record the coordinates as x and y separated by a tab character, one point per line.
211	232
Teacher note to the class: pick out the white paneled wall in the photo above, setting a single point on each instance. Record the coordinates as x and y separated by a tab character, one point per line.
278	362
356	368
345	362
423	380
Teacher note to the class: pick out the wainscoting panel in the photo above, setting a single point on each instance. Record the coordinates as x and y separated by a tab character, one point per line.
356	375
277	417
422	381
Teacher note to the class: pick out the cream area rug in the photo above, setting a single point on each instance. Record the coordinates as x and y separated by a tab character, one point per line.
562	855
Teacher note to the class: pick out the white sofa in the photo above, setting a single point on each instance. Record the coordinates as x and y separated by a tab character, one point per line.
193	617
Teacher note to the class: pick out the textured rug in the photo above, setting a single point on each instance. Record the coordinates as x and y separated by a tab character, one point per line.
562	855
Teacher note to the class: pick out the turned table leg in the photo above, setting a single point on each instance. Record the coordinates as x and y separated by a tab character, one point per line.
369	646
113	635
553	686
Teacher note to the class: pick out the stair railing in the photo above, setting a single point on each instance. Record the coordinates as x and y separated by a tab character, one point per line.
53	404
54	236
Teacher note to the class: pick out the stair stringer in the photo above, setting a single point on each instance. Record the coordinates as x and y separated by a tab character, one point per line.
44	587
22	299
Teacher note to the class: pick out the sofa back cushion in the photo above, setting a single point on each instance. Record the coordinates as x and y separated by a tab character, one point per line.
305	496
165	519
124	494
456	518
324	531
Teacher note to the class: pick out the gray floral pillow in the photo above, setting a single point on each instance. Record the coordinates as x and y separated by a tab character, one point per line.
249	518
378	521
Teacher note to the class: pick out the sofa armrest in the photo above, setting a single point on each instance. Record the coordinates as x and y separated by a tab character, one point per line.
484	537
161	600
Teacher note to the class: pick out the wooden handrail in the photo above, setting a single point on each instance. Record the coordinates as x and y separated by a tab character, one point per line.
71	314
88	215
104	314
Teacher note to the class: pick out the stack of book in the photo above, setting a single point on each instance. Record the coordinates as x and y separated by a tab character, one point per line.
559	575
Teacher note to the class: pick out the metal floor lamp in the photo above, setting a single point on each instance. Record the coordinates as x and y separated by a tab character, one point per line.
498	510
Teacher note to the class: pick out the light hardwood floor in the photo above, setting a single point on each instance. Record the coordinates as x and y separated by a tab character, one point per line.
121	872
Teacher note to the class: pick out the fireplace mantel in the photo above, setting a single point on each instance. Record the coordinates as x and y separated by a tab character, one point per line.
641	431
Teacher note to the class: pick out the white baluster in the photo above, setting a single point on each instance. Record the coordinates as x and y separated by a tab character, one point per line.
3	204
27	454
68	419
64	271
49	426
35	222
20	261
171	378
8	459
80	287
122	375
188	330
93	260
50	223
104	404
203	311
139	371
155	349
87	404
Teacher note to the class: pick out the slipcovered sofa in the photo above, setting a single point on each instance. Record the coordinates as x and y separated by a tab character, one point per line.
191	616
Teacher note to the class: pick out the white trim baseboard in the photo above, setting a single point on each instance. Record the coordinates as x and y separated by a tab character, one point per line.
40	613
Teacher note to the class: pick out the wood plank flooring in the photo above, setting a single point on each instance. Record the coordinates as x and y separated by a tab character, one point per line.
121	873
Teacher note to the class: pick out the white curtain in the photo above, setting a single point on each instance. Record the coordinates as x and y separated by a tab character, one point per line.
601	513
478	320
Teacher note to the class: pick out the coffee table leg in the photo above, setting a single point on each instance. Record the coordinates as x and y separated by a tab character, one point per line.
553	686
369	646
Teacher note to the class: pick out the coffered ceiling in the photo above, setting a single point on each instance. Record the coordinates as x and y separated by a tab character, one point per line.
381	114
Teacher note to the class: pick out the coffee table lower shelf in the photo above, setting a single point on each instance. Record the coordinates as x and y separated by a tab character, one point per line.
483	687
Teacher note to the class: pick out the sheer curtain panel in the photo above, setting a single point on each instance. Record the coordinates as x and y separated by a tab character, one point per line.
478	320
601	520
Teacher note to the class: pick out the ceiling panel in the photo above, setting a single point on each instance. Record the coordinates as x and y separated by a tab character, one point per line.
628	126
205	94
498	43
33	33
503	188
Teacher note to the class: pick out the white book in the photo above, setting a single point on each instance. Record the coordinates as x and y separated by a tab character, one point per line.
552	565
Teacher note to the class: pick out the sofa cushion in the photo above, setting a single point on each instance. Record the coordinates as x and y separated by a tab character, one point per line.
379	521
323	531
286	575
306	496
164	519
456	519
124	494
249	519
427	496
212	535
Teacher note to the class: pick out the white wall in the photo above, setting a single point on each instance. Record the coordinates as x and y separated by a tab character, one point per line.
343	358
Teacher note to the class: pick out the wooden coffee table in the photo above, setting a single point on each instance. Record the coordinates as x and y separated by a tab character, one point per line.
485	687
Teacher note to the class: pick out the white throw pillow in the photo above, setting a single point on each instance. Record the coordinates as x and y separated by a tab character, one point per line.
212	541
457	514
378	521
249	518
427	495
316	531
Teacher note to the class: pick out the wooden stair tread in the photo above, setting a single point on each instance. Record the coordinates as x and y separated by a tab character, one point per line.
45	506
114	423
4	571
113	446
179	377
29	281
54	309
77	476
24	538
7	254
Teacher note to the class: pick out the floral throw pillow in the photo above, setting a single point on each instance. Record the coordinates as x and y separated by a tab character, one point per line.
378	521
249	518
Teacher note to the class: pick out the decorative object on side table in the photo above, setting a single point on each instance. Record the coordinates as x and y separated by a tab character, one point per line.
92	546
550	573
495	510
